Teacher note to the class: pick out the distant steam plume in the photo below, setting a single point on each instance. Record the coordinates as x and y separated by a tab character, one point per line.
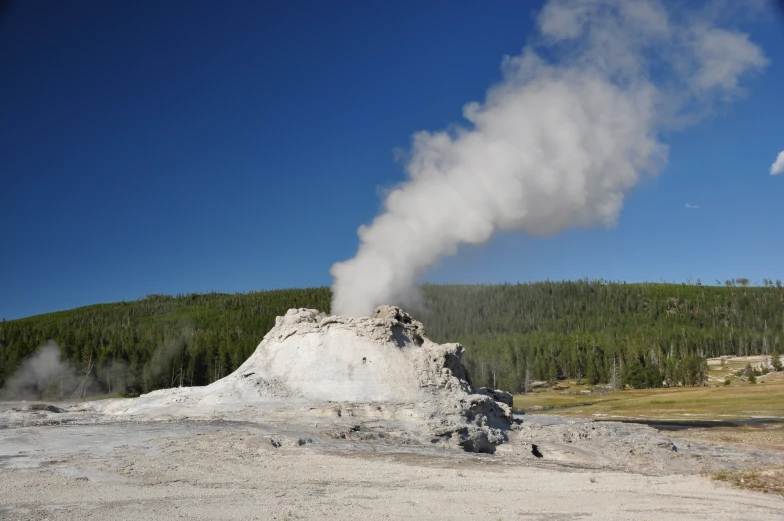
44	375
558	143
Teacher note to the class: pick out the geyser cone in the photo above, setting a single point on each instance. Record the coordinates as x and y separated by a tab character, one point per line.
380	367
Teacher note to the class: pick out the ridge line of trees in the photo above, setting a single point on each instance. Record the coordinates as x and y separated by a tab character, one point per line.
643	335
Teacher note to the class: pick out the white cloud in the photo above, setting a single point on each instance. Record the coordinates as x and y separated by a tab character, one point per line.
559	143
778	166
693	206
723	56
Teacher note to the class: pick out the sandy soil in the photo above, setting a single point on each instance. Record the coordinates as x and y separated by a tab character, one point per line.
240	470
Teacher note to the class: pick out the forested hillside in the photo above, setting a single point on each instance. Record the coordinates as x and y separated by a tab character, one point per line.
639	334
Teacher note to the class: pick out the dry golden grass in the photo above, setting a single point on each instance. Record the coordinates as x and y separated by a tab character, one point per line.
733	402
770	437
767	479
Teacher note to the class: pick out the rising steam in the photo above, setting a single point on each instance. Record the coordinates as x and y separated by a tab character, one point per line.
558	143
45	375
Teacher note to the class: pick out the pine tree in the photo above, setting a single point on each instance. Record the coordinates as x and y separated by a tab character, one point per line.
591	376
775	361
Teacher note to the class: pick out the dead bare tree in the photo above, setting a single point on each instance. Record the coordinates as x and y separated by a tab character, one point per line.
81	392
615	376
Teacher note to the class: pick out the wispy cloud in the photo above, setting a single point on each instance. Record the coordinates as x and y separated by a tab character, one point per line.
778	166
693	206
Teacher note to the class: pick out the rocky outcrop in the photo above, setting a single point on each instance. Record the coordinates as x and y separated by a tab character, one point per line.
499	396
387	359
358	373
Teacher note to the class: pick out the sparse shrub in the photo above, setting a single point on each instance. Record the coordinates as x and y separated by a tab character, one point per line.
775	361
768	480
727	381
752	378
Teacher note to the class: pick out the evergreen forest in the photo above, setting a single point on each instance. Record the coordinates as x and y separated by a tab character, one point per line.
599	332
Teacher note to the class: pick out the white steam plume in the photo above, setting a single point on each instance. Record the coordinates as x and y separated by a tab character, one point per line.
45	375
556	144
777	167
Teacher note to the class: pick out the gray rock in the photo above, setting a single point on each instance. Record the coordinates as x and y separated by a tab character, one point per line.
499	396
41	407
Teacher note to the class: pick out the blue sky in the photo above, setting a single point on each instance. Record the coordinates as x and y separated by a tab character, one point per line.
150	148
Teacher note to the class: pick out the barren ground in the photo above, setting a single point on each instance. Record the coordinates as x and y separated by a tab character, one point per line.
80	466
